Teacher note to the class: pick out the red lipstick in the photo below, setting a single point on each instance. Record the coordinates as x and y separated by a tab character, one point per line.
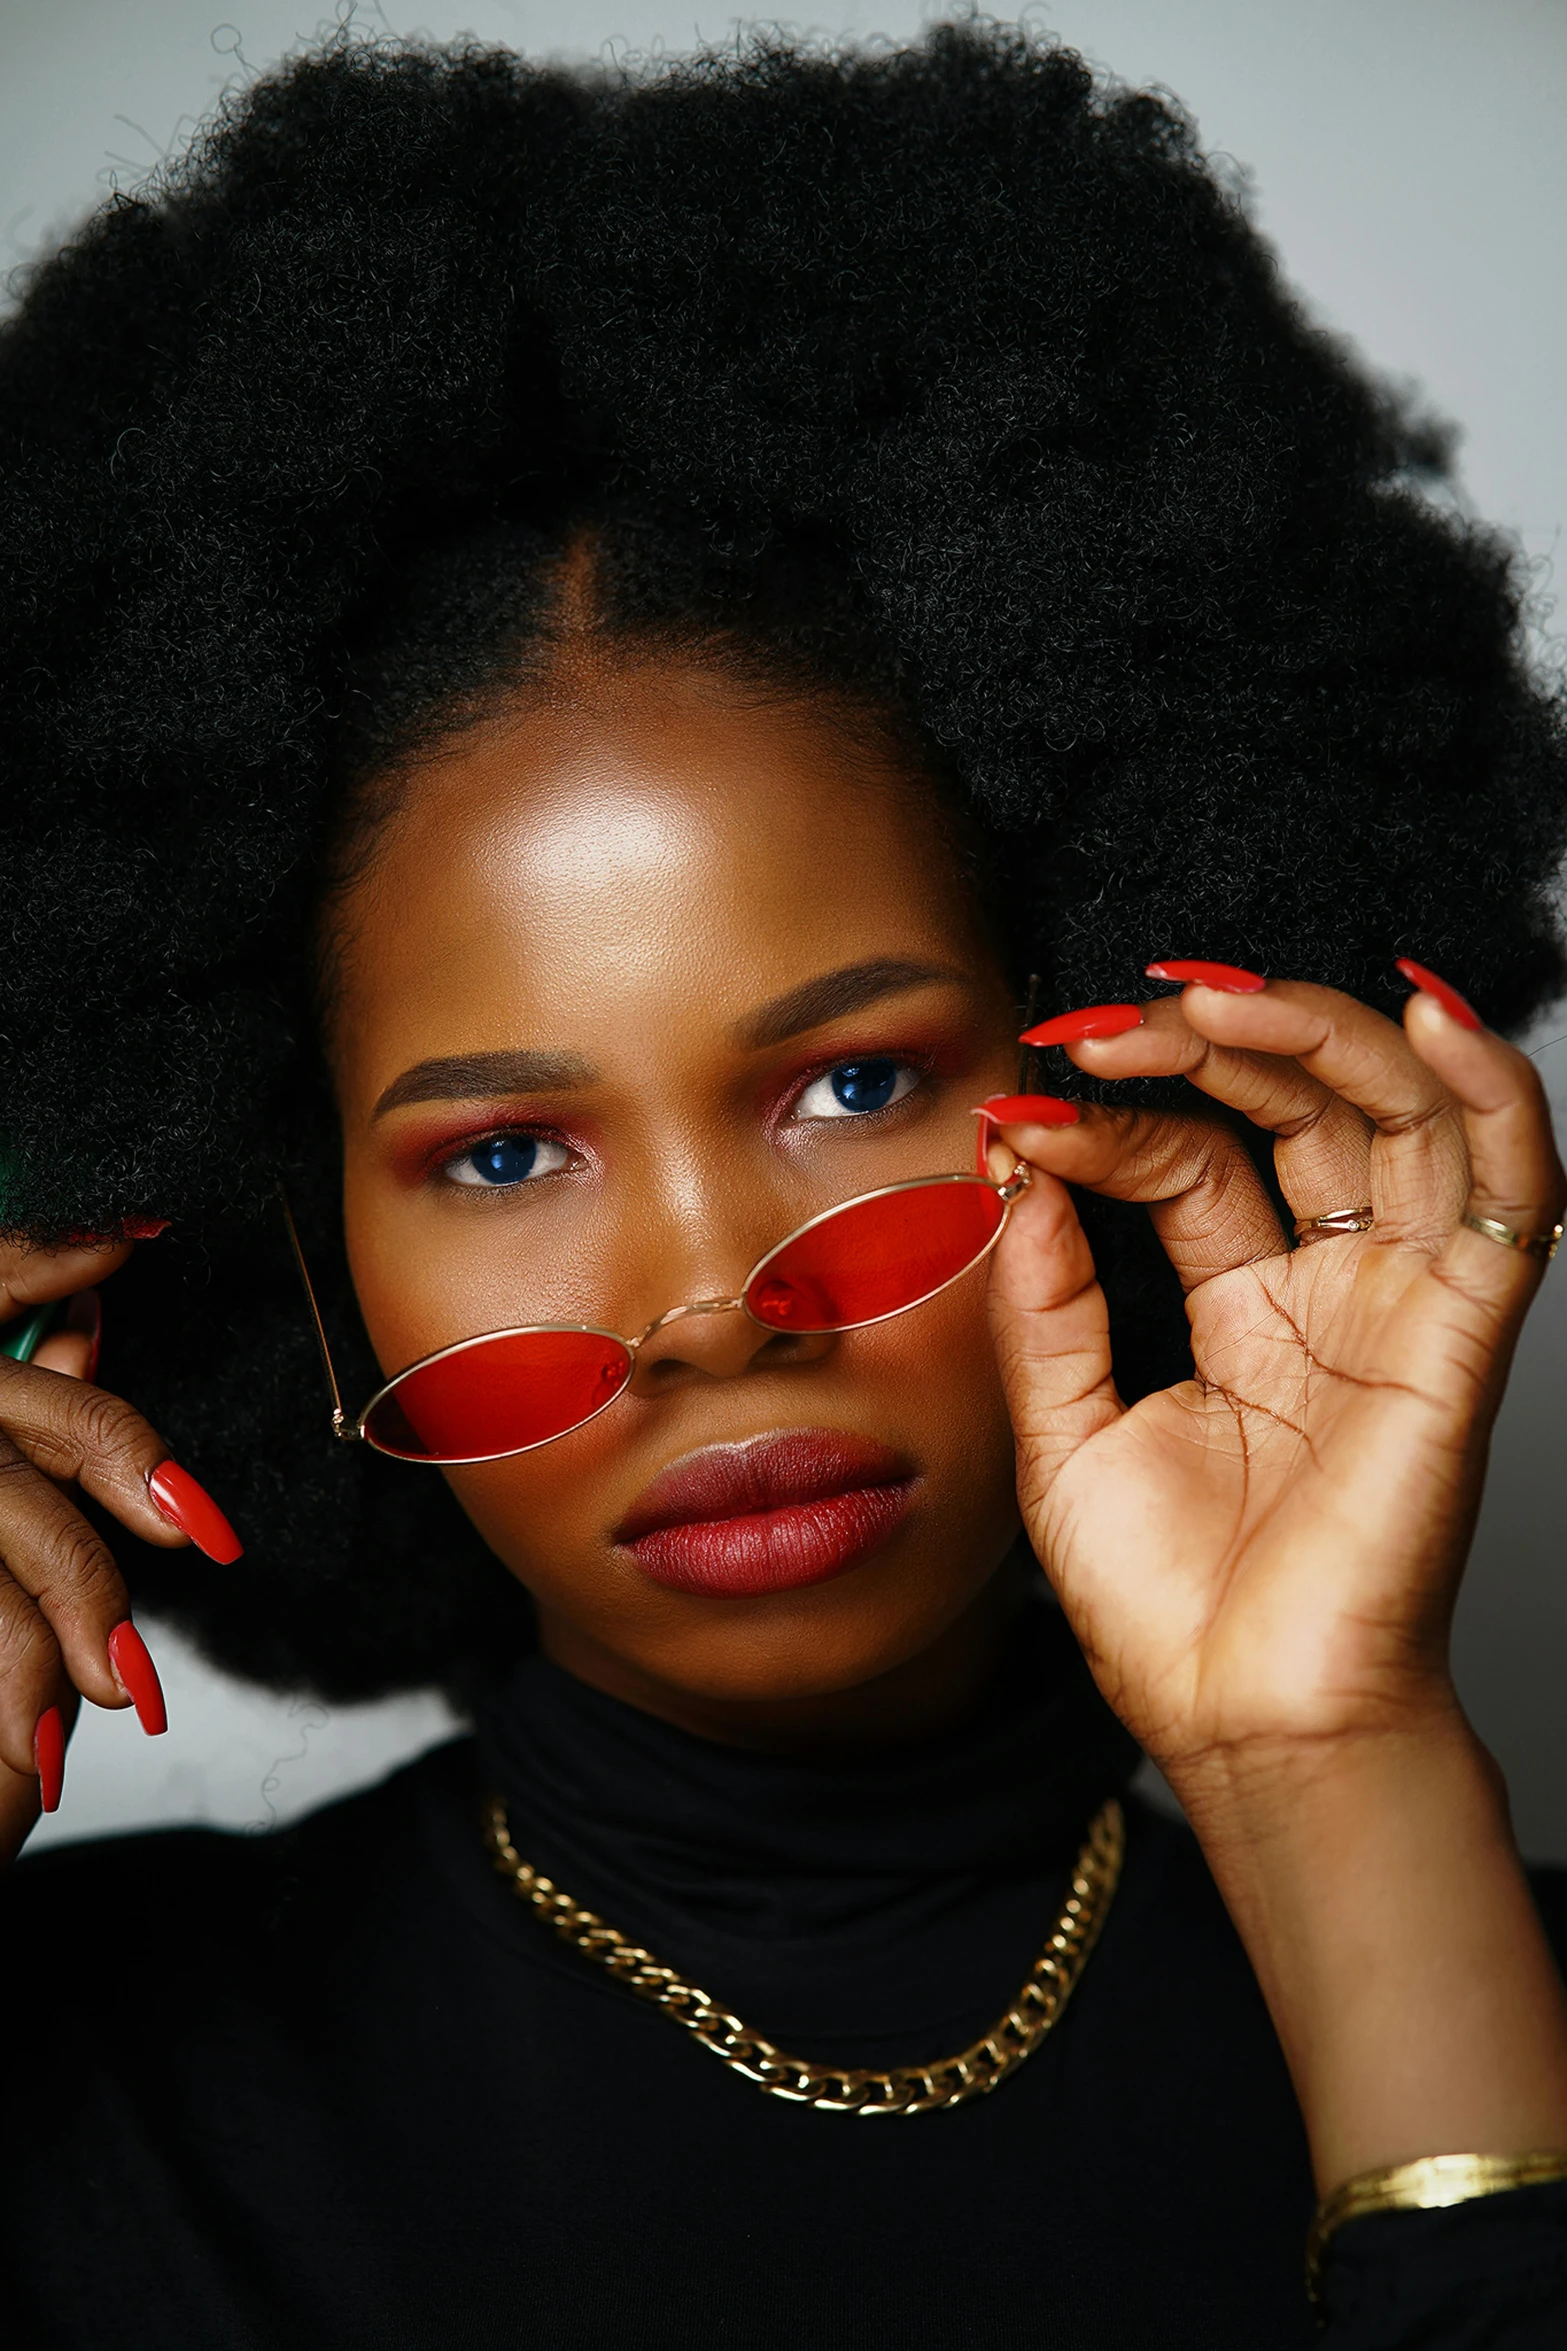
769	1515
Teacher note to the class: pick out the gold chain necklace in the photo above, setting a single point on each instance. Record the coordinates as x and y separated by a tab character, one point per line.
907	2089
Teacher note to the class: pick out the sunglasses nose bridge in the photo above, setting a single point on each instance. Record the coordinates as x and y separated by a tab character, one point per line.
680	1313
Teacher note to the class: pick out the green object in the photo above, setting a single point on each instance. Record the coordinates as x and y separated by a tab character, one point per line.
21	1340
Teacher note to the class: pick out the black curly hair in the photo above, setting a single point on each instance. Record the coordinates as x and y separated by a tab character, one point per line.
946	378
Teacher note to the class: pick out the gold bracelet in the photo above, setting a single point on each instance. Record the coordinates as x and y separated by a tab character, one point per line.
1423	2186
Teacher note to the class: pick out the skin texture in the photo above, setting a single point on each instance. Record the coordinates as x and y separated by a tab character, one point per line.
1260	1564
708	837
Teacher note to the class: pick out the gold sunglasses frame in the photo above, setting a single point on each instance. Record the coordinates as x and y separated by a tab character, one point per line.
350	1430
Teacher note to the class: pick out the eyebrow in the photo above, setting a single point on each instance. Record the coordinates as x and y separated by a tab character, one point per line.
480	1077
836	993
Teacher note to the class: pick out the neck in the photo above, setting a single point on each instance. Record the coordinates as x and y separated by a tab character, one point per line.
928	1693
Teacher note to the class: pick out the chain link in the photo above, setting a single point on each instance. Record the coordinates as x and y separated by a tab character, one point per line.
906	2089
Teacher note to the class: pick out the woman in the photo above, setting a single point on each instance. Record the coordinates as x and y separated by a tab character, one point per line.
581	660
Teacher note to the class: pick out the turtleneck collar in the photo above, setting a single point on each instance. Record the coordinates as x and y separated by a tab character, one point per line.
902	1890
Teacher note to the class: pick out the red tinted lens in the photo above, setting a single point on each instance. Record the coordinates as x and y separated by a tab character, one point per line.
875	1256
498	1395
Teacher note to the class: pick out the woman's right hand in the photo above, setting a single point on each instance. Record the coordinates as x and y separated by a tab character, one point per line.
65	1616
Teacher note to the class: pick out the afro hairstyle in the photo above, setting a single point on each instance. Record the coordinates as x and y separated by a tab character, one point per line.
947	375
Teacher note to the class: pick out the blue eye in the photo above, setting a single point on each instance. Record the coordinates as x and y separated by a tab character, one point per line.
504	1160
855	1088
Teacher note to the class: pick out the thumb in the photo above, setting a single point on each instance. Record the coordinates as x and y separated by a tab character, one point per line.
1052	1334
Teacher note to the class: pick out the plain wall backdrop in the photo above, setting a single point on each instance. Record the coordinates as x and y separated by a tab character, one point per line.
1409	160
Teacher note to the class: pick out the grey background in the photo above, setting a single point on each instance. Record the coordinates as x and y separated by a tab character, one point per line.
1409	159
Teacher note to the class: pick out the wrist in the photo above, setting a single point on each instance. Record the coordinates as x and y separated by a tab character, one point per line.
1378	1891
1250	1792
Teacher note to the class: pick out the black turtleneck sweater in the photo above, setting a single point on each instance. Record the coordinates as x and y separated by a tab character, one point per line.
338	2088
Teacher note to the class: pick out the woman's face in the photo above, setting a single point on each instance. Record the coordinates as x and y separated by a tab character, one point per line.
635	982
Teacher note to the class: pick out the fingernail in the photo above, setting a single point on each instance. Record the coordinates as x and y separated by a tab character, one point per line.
1228	978
144	1228
1100	1020
138	1677
983	1133
1039	1110
191	1508
1455	1006
49	1756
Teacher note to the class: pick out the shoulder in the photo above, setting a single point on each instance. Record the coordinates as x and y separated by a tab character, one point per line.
194	1895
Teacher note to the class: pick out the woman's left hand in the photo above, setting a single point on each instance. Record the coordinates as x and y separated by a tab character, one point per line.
1261	1562
1269	1553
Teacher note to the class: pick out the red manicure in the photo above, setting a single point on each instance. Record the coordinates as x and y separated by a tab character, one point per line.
1038	1110
1455	1006
191	1508
1100	1020
129	1656
982	1136
49	1755
144	1228
1228	978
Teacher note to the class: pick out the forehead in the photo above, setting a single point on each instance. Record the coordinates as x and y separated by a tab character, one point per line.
669	839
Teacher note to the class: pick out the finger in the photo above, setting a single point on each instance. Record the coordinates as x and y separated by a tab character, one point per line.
24	1795
1322	1144
70	1352
36	1690
1419	1164
36	1277
73	1349
1204	1195
81	1435
1052	1332
58	1569
1516	1173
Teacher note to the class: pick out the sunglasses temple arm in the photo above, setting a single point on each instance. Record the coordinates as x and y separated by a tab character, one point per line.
340	1427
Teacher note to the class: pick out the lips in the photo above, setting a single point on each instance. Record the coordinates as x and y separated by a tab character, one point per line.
770	1515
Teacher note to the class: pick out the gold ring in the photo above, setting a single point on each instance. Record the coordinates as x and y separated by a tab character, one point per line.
1335	1221
1543	1245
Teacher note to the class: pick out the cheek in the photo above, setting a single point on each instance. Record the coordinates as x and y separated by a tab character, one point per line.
940	1362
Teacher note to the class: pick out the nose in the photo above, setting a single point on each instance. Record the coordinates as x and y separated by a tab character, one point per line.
715	1339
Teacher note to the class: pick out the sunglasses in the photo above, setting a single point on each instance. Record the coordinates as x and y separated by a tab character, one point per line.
506	1392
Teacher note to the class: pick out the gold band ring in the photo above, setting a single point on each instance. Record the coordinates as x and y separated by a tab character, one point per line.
1542	1245
1335	1221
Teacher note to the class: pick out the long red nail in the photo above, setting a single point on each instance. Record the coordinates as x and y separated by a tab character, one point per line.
1455	1006
1228	978
1100	1020
128	1654
191	1508
1037	1110
49	1755
982	1135
144	1228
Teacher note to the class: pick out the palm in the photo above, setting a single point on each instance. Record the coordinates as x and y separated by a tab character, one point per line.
1269	1551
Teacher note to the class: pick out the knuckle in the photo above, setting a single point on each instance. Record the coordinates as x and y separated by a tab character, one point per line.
105	1423
28	1648
1416	1118
90	1424
15	1468
78	1571
1325	1113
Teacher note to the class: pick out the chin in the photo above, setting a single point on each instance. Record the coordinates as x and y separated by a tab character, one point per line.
812	1642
